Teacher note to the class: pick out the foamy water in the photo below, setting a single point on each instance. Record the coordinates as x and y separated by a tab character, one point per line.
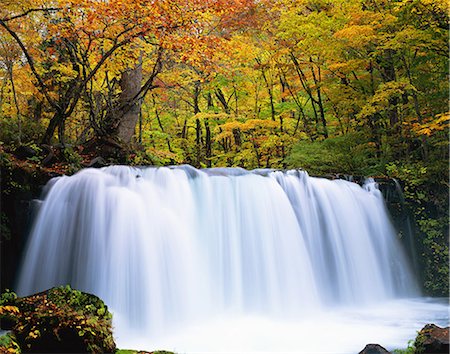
226	260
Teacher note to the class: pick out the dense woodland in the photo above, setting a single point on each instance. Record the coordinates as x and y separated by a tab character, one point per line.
332	86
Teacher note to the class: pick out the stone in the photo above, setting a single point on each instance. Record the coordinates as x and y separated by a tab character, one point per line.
374	349
432	339
24	152
59	320
97	162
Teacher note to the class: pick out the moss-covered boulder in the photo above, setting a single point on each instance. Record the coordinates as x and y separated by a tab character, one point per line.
59	320
432	339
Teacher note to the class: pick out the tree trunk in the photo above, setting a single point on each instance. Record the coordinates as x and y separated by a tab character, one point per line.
388	74
307	88
210	101
198	135
317	80
52	125
130	83
221	97
196	97
208	148
10	68
269	86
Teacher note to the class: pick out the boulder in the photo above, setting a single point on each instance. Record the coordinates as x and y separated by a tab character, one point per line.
374	349
25	152
432	339
59	320
97	162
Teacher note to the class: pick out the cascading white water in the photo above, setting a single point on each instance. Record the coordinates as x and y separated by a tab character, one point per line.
171	248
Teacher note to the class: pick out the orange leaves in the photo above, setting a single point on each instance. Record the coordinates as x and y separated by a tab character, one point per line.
10	310
97	26
357	35
435	124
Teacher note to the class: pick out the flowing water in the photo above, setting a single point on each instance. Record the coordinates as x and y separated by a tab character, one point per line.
226	260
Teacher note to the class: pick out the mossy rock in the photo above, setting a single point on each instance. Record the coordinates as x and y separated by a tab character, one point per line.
432	339
59	320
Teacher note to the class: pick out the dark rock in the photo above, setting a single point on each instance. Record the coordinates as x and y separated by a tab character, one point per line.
20	185
59	320
24	152
374	349
98	162
432	339
60	146
106	147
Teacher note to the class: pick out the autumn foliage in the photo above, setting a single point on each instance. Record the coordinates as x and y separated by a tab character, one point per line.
235	83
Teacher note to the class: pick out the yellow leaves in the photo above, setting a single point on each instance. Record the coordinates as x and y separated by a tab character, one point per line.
228	129
347	66
34	334
259	123
227	134
409	37
9	310
163	155
357	35
442	5
64	72
435	124
391	89
10	8
212	116
380	101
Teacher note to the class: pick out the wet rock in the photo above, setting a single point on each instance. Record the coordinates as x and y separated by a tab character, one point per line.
432	339
374	349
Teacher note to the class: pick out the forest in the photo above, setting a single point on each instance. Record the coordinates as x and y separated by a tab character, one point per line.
354	87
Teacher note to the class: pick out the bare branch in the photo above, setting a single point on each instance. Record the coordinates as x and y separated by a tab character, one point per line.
26	13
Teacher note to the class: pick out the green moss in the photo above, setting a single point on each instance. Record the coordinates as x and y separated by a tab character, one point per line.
419	343
8	298
426	195
8	344
410	349
59	320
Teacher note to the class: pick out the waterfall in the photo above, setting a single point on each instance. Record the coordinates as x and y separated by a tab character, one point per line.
173	246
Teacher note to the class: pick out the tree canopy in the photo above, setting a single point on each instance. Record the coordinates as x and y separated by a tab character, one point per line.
236	83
